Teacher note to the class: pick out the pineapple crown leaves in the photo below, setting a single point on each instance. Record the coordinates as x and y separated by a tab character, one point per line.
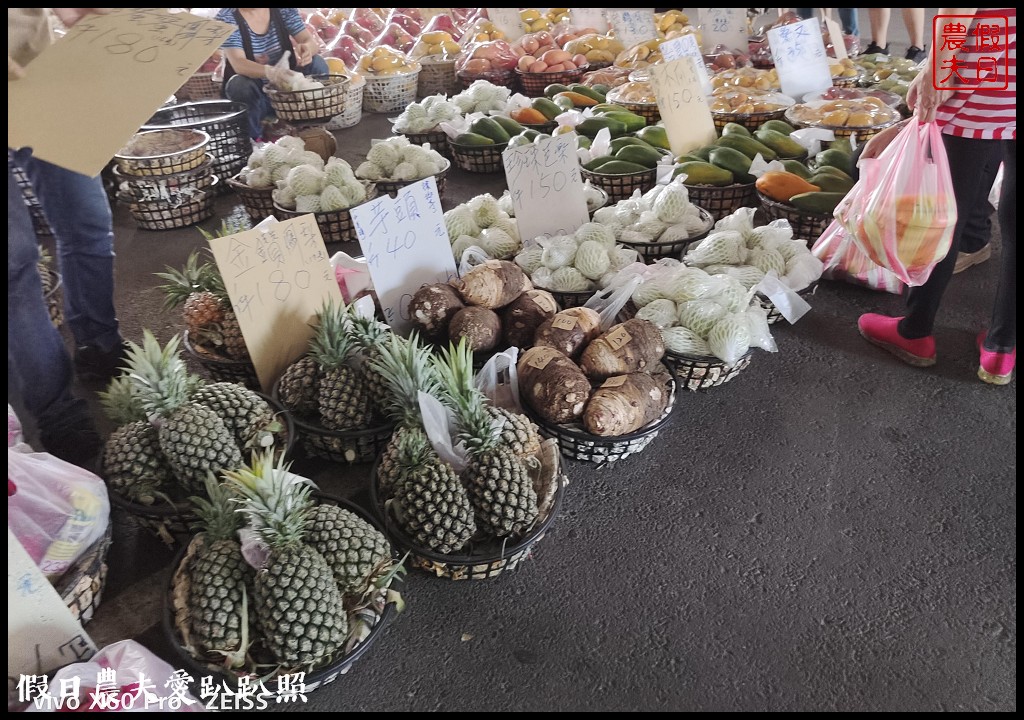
368	331
333	343
276	502
405	367
216	512
459	391
160	378
121	401
194	277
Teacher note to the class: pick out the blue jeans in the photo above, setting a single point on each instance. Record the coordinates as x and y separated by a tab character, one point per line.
249	91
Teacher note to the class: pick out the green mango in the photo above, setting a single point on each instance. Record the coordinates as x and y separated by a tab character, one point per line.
592	125
547	108
489	127
470	138
655	135
595	164
587	91
702	173
779	126
632	121
746	145
828	182
621	167
781	143
835	158
797	168
509	125
735	129
820	203
619	143
646	156
734	161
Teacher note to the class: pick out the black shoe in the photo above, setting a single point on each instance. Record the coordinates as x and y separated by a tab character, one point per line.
875	50
79	445
916	54
91	363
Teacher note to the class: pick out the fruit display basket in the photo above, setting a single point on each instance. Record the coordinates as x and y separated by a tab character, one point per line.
220	368
478	158
648	110
774	315
175	189
258	202
807	226
501	78
316	105
367	623
570	299
751	121
863	133
700	373
622	187
391	187
201	86
847	81
593	208
723	201
578	444
654	250
492	558
353	112
533	84
223	120
437	77
81	586
335	226
390	94
437	139
163	215
163	152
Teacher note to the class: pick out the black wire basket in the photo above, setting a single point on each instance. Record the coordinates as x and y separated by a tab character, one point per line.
81	586
774	315
313	106
336	226
379	615
184	211
723	201
701	373
488	559
258	202
655	250
807	226
570	299
578	444
438	140
622	187
478	158
533	84
391	187
220	368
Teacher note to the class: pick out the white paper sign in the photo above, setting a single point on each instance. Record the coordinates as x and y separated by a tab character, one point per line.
800	58
406	246
632	26
835	36
589	18
508	21
42	634
683	105
546	187
723	26
686	46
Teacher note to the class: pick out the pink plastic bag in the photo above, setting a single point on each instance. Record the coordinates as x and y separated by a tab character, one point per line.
902	212
845	261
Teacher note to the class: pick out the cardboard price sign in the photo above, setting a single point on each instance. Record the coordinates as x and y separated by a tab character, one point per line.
589	17
683	105
123	66
546	187
632	26
800	59
835	36
508	21
278	276
686	46
406	246
723	26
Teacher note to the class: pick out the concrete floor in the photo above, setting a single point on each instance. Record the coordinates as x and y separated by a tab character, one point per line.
833	530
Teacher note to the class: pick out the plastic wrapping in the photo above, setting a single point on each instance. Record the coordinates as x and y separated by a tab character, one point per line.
444	23
394	36
367	18
844	260
409	19
357	32
346	49
435	45
485	58
498	379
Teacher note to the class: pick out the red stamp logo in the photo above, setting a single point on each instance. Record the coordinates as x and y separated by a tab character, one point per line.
980	61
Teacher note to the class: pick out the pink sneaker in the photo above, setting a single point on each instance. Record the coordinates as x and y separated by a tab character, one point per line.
995	368
881	330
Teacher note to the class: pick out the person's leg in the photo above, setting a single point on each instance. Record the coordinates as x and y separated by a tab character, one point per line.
848	17
316	66
249	92
879	20
913	19
1002	333
974	245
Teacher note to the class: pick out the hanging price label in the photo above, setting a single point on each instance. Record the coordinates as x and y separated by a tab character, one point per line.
683	105
686	46
800	59
723	26
632	26
508	21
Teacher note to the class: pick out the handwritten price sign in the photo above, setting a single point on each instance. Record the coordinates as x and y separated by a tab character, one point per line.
546	187
686	46
632	26
723	26
508	21
683	105
800	59
589	17
406	246
278	277
124	65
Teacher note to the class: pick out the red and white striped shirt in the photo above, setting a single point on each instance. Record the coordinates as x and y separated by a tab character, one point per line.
985	114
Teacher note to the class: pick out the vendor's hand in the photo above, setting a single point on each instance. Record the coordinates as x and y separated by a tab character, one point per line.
923	97
876	145
304	52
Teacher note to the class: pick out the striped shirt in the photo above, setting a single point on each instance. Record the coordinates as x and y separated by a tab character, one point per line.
986	114
265	48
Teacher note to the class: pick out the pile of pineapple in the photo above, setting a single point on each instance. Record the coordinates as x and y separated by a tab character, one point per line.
320	585
174	429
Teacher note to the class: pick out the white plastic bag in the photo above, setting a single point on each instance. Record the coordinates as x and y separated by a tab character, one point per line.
471	257
499	380
609	302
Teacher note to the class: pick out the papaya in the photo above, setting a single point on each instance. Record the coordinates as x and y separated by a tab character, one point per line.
582	142
469	138
702	173
596	163
704	153
829	182
797	168
509	125
780	126
829	169
735	129
621	167
489	127
529	116
734	161
632	121
655	135
746	145
619	143
842	144
820	203
519	140
646	156
781	186
532	134
782	144
601	88
608	107
548	108
555	88
592	125
588	91
835	158
689	158
563	102
577	99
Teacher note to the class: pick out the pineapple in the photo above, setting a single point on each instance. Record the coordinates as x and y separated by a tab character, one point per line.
517	432
432	505
499	484
298	604
370	334
193	438
220	580
245	413
355	549
133	464
343	400
299	387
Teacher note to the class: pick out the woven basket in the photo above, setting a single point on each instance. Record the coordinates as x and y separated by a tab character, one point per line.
723	201
54	298
220	368
190	152
379	614
701	373
501	78
353	111
224	121
258	202
847	82
437	139
391	187
201	86
646	110
489	559
578	444
390	94
568	300
437	77
311	106
162	215
806	226
773	312
175	190
654	250
81	587
335	226
622	187
478	158
591	209
534	84
751	121
863	133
